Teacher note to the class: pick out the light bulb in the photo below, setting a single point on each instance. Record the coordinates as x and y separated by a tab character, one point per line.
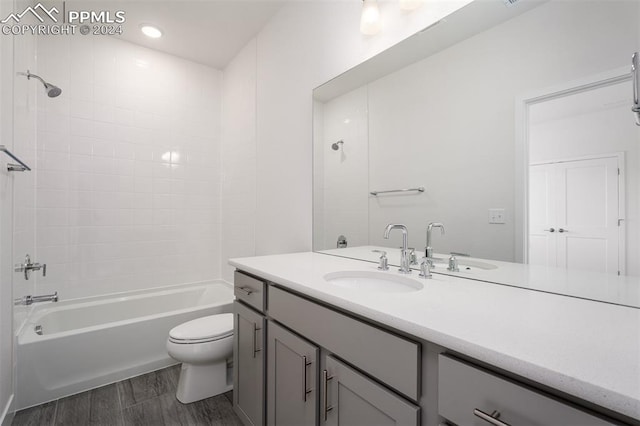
370	19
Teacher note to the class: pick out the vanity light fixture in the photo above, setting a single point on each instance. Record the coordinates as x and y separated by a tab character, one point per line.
410	4
370	19
151	31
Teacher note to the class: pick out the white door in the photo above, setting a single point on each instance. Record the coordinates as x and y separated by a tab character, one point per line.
574	215
542	242
588	228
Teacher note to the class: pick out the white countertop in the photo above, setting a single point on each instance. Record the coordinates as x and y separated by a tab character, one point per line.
584	348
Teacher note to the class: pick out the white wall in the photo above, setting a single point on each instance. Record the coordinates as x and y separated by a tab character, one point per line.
346	171
128	168
304	45
17	132
239	158
6	290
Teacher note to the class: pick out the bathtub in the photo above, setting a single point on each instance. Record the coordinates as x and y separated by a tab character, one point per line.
86	343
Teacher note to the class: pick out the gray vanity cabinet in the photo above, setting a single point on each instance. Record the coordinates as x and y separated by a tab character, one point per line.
292	374
249	365
349	399
299	362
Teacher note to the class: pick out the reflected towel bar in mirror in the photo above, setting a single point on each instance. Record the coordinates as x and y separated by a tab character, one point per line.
376	193
20	167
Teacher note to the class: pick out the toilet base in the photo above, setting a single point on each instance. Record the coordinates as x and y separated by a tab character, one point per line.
200	381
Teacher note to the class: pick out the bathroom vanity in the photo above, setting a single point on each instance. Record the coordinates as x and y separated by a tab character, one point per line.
312	350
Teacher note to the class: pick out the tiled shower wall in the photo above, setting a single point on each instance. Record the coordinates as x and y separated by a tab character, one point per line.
127	168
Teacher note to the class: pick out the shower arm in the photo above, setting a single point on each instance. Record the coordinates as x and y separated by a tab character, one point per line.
29	75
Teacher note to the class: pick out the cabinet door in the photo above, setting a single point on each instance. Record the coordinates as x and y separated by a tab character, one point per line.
292	374
351	399
248	365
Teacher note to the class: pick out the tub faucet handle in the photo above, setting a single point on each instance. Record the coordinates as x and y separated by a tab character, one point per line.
28	266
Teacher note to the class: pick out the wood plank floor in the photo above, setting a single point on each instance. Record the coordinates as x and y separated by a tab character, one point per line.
148	400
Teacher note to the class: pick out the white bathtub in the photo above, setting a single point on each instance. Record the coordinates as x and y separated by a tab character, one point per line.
86	343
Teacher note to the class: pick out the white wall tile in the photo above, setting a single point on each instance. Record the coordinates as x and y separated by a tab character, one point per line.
107	200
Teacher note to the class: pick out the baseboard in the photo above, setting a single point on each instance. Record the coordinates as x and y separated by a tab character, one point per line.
7	413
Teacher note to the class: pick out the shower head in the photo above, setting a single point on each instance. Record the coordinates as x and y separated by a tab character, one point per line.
52	90
336	146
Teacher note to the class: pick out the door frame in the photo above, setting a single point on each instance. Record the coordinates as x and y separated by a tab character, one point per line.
522	105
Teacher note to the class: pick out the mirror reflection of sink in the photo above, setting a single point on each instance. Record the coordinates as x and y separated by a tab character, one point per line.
466	264
373	281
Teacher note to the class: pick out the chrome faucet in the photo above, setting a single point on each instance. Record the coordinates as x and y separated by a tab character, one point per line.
28	300
404	251
429	250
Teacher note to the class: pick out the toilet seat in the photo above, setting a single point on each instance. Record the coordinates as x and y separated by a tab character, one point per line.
203	330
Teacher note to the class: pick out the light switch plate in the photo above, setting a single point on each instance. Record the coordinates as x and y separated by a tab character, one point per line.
496	216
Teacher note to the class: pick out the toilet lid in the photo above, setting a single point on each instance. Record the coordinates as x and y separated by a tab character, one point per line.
205	329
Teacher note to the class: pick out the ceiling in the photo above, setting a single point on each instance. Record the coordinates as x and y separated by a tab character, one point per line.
209	32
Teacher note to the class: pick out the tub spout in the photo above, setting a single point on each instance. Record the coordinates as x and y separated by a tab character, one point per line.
28	300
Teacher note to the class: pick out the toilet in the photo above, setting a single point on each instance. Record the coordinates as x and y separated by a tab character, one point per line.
203	346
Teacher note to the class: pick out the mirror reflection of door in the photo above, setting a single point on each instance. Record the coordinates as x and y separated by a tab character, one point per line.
582	147
574	218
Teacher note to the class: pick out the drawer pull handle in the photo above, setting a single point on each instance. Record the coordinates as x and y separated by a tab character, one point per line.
490	418
305	391
325	380
255	332
247	290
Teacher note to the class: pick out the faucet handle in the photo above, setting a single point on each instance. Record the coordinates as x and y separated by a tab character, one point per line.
425	268
453	264
413	257
383	266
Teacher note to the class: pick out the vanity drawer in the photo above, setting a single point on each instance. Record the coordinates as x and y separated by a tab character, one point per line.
392	359
466	392
251	291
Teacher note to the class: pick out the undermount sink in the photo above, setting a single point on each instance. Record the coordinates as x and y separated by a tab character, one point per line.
374	281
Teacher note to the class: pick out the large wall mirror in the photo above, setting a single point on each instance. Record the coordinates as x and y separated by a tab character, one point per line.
511	126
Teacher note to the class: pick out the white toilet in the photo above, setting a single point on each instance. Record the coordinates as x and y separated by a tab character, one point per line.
203	346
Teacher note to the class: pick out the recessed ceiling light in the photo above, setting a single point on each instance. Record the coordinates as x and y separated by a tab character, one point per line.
150	31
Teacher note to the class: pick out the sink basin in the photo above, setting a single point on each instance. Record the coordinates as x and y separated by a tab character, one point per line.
382	282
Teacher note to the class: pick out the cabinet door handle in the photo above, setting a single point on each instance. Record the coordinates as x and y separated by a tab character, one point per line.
247	290
305	391
550	230
255	332
563	230
325	387
490	418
